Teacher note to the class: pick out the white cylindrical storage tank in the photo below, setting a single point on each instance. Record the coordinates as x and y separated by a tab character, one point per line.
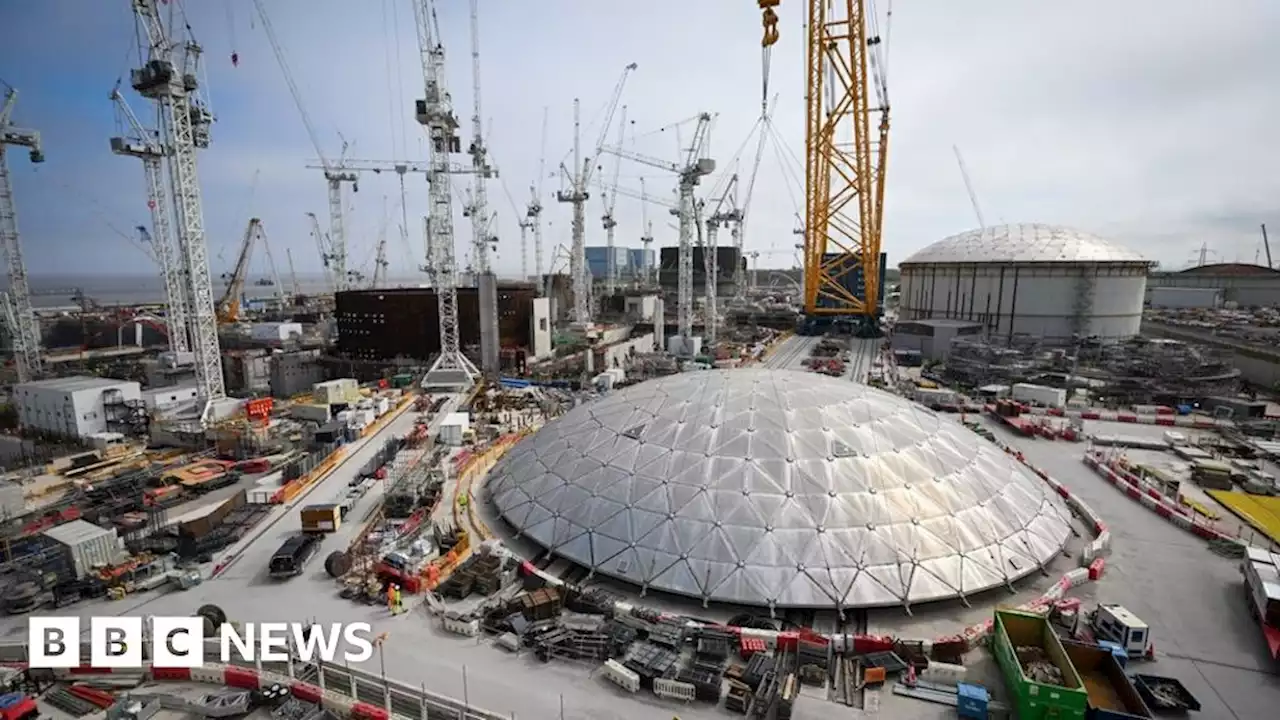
1040	280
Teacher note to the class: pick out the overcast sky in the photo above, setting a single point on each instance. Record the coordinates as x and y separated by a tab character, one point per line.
1152	122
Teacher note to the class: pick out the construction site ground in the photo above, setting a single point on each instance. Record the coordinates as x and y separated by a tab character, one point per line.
1192	598
187	690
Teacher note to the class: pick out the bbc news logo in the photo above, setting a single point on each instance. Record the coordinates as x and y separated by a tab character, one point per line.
118	642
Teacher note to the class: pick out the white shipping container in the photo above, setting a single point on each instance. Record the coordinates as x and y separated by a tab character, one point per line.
1185	298
1040	395
935	396
344	417
451	435
87	546
313	412
383	405
619	375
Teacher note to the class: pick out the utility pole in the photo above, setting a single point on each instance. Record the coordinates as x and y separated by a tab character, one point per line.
691	171
486	281
435	112
171	79
576	194
147	146
21	317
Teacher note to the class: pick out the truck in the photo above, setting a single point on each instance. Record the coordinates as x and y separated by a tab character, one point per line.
1261	570
1115	623
1036	668
1111	695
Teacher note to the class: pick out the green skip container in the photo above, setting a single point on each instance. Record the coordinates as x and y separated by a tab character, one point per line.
1036	700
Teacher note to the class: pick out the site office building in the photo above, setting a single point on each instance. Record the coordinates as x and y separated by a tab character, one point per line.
73	407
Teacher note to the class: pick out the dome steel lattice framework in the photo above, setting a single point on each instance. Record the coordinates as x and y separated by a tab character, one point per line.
778	489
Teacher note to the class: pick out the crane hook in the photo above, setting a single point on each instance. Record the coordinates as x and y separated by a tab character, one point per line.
769	18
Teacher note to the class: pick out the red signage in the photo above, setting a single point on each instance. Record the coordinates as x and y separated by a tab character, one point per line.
259	409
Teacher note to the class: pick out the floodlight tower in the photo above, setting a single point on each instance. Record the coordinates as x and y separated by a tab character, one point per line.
21	318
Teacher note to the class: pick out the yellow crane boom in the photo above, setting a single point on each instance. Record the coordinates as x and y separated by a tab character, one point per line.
845	156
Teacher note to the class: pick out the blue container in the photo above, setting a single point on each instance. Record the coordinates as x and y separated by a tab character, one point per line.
1117	651
972	701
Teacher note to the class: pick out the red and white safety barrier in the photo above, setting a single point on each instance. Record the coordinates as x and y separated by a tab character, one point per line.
1152	499
1191	421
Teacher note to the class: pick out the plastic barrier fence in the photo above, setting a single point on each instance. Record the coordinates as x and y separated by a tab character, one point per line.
674	690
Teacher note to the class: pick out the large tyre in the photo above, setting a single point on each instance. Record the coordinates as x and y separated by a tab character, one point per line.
337	564
214	618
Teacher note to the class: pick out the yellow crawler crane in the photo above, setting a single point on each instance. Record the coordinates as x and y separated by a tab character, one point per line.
845	156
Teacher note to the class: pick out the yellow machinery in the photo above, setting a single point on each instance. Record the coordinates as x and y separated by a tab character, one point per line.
844	158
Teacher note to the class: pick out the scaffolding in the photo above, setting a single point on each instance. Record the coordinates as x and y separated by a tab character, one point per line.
127	417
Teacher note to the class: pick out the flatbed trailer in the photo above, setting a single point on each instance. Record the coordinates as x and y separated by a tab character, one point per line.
1111	695
1261	570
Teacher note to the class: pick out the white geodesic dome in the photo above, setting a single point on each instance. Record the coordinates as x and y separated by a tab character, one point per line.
778	488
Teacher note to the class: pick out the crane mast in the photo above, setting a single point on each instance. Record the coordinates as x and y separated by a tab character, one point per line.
148	146
576	194
486	283
719	217
169	77
690	171
844	161
20	317
533	212
435	112
646	238
610	201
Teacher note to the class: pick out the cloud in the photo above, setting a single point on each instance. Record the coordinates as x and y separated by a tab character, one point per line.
1146	121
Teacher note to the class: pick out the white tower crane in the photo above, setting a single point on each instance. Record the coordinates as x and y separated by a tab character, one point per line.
646	238
720	216
149	147
690	172
533	212
322	246
478	210
334	174
435	112
578	180
170	78
610	201
20	317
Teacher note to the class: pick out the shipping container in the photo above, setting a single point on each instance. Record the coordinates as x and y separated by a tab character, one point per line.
1036	700
344	390
312	412
323	518
402	380
86	546
1040	395
453	429
1111	694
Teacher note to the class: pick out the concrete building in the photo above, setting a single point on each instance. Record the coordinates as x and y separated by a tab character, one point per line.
1183	298
1040	280
247	371
598	261
932	338
295	372
74	407
275	332
165	398
1247	285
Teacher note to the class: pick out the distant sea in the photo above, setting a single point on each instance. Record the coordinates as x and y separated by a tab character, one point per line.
53	291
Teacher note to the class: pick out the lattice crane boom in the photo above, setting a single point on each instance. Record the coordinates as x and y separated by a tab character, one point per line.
19	315
170	77
149	147
690	173
646	236
610	197
844	160
533	212
579	179
710	254
334	174
435	112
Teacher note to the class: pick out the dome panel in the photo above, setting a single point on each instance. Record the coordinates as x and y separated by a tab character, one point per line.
1024	243
778	487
